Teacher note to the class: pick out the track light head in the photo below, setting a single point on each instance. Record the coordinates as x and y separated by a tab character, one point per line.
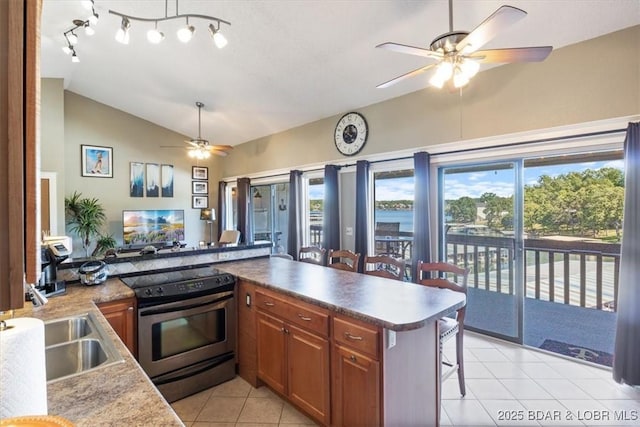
88	29
186	33
74	57
218	38
87	4
154	36
122	35
72	38
93	19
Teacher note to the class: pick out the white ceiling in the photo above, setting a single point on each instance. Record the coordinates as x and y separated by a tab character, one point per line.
287	62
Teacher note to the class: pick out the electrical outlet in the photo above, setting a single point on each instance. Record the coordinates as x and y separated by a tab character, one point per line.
248	300
349	231
391	338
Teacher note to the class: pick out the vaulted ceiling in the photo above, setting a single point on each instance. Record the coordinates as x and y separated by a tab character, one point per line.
287	62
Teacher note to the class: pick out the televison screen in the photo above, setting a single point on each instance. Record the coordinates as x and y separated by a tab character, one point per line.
152	226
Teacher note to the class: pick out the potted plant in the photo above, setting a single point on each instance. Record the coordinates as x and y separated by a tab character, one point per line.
85	217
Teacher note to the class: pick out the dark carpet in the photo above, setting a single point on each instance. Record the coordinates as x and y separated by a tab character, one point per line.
579	352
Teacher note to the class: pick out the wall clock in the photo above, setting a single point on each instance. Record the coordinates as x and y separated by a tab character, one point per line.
351	133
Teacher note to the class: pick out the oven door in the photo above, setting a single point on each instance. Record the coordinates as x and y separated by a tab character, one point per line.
174	335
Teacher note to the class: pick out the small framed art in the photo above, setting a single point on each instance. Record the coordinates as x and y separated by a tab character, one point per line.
199	202
153	180
136	181
199	187
96	161
199	172
167	181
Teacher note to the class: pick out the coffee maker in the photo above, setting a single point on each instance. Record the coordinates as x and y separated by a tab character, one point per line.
51	254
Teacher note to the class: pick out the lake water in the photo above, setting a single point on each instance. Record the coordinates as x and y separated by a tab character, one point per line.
405	218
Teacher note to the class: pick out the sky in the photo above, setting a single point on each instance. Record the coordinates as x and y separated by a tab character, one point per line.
474	184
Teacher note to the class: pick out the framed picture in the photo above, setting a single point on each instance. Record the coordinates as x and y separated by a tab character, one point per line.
96	161
199	187
136	180
167	181
199	202
199	172
153	180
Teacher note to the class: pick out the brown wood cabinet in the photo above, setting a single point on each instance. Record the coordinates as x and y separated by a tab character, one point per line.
293	352
121	315
356	374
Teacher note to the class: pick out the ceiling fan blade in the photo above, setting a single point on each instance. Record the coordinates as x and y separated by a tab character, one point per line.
489	28
171	146
411	50
191	142
405	76
220	153
518	54
221	147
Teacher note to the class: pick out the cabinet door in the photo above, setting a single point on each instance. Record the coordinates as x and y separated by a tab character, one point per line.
122	318
356	389
308	372
271	343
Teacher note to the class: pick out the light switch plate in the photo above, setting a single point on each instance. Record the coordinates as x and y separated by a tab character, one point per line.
391	338
349	231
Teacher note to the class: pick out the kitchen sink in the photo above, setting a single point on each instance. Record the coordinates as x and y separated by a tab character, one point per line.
66	330
75	345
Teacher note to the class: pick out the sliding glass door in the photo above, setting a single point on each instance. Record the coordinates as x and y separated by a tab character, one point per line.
541	238
270	214
479	212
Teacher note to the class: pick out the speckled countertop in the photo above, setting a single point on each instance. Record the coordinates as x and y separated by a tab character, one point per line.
116	395
395	305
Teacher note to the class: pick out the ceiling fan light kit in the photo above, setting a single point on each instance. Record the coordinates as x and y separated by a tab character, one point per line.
457	51
199	148
184	34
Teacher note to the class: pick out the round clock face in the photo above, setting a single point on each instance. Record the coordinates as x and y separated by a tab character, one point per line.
351	134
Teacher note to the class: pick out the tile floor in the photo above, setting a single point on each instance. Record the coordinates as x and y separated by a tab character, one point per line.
506	385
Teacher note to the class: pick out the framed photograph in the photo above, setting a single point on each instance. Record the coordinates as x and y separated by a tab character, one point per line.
199	172
199	202
153	180
167	181
136	180
199	187
96	161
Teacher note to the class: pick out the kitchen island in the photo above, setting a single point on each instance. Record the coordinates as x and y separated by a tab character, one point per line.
346	348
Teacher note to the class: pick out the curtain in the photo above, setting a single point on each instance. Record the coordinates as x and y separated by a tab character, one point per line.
222	207
294	234
245	225
331	209
421	220
362	206
626	358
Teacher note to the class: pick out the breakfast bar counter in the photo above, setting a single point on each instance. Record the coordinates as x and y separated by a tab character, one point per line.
346	348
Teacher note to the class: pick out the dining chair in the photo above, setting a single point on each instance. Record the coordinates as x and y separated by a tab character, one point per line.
384	266
229	237
448	276
312	255
387	230
343	259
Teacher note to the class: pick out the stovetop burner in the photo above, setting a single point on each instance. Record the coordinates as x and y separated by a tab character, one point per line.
179	284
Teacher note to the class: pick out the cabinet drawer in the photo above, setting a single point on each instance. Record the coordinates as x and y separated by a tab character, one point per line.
299	314
357	336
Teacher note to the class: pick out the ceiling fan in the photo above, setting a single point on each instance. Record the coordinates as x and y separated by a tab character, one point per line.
457	51
200	148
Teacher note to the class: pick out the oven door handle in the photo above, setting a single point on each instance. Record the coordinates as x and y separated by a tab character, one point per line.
151	311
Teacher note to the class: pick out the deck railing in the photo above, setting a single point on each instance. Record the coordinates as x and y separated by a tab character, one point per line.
579	273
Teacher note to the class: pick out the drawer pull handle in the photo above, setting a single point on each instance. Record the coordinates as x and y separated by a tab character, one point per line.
303	317
353	358
269	304
352	337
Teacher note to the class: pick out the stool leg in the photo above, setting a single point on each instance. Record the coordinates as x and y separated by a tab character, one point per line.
460	360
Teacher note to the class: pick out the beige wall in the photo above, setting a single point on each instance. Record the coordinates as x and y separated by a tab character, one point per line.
593	80
83	121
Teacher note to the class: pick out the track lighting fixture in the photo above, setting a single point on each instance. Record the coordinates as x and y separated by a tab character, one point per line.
184	34
72	38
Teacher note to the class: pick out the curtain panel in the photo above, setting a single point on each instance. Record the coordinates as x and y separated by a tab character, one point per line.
362	206
331	209
294	233
626	358
222	207
421	219
245	202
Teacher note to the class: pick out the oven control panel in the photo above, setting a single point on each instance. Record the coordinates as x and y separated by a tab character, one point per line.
187	288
